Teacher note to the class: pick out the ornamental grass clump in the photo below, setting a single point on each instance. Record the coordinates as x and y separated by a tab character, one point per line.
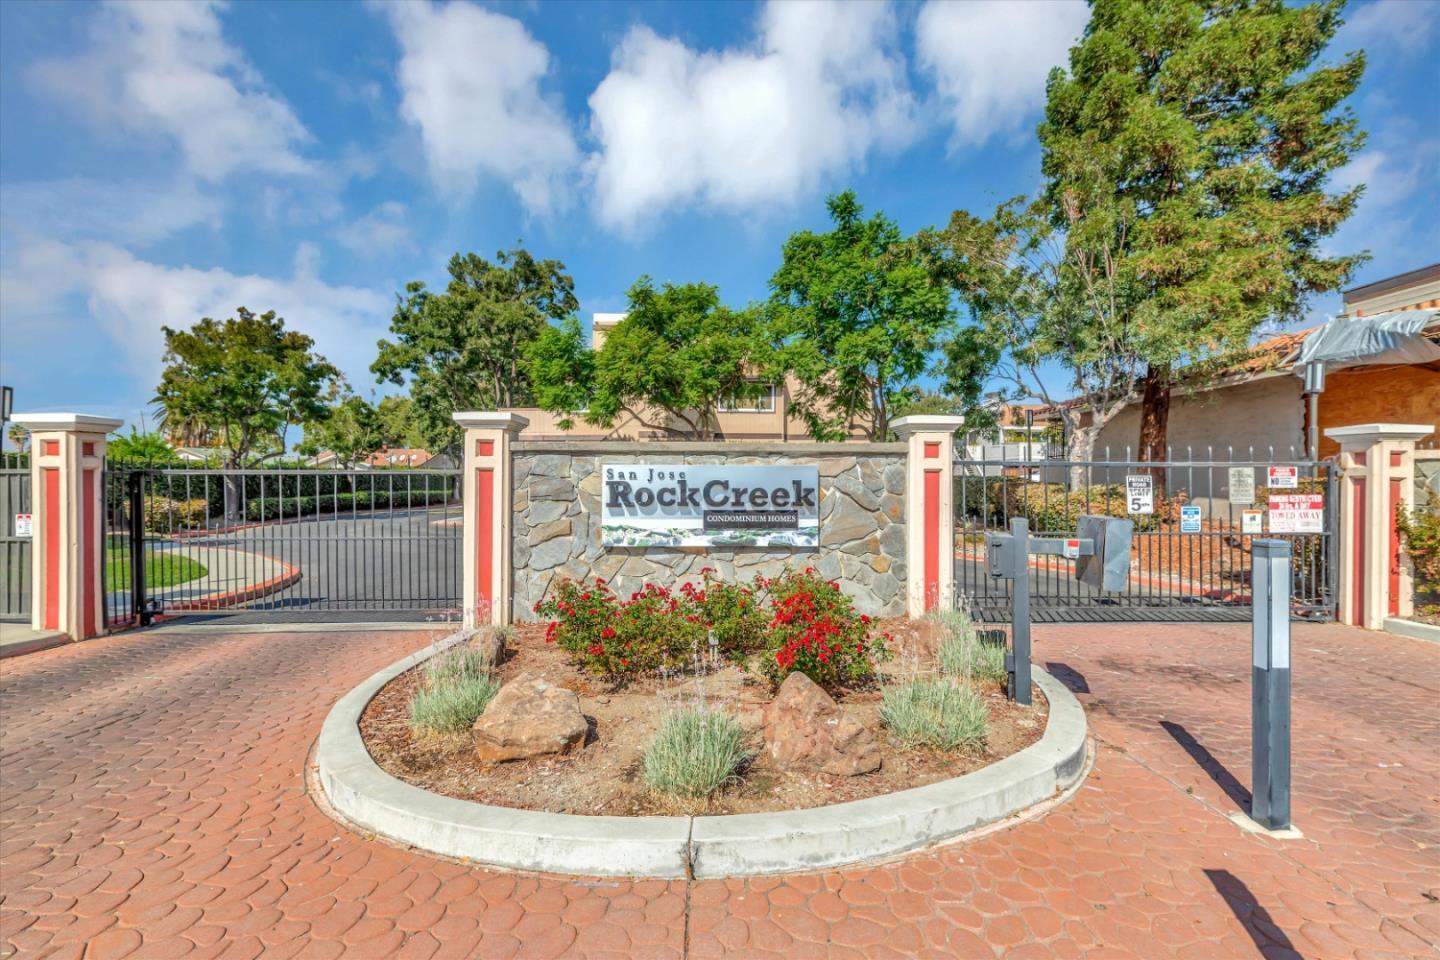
935	712
965	654
455	688
694	753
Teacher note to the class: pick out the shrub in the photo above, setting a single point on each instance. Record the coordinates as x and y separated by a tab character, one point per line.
963	654
1420	530
814	630
733	613
655	629
935	712
694	752
163	515
449	700
461	662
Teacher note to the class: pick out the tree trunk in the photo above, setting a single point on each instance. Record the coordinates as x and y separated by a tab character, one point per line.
234	497
1081	450
1155	421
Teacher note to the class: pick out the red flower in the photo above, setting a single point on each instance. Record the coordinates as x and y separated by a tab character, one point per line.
608	632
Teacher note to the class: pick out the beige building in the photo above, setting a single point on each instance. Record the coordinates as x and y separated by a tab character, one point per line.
769	417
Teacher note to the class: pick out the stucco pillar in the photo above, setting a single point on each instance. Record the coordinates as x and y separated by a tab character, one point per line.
487	498
67	456
929	510
1377	463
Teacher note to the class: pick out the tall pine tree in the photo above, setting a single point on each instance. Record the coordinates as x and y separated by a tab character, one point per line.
1194	138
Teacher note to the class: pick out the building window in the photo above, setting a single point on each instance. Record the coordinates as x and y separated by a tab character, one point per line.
763	403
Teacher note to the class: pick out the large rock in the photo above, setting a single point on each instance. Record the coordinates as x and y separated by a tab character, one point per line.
490	642
806	730
529	717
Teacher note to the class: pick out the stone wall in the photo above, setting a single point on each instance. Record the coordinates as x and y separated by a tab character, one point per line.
556	529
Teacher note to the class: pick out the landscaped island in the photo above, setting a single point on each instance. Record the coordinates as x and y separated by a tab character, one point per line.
714	698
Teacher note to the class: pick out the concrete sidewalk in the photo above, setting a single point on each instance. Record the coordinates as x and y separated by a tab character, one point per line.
18	638
232	576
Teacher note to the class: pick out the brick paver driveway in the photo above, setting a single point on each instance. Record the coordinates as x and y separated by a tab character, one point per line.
154	806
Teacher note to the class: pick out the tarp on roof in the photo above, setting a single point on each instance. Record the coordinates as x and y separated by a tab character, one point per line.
1386	338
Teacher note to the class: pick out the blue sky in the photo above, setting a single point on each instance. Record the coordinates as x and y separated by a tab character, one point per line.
160	162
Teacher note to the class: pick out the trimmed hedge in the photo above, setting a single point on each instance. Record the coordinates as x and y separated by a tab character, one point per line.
278	508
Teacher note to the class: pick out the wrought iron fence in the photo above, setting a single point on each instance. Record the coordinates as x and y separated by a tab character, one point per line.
15	544
1184	564
292	542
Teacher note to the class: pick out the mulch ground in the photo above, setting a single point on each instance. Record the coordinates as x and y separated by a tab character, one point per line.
605	777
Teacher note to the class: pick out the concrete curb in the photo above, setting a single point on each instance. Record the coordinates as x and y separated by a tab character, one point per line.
700	847
1413	629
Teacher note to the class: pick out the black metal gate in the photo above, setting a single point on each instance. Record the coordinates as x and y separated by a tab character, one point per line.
282	545
1183	567
15	542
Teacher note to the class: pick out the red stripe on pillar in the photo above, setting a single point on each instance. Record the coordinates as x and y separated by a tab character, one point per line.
485	541
51	518
87	551
1393	603
1357	588
932	539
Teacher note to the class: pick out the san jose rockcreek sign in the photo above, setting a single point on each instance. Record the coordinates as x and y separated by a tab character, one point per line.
688	505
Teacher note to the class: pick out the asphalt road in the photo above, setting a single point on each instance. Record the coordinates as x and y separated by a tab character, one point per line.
402	563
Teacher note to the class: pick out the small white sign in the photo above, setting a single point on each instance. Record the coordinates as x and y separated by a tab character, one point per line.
1190	519
1297	513
1282	478
1252	521
1242	486
1139	493
24	525
1072	549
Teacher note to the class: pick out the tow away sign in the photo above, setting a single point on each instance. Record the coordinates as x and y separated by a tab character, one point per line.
1139	493
1297	513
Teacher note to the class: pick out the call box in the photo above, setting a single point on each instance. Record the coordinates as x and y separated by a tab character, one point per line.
1108	567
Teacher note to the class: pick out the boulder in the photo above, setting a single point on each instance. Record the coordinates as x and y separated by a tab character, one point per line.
805	729
490	642
529	717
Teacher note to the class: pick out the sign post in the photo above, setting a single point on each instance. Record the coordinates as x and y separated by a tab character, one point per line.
1270	684
1101	552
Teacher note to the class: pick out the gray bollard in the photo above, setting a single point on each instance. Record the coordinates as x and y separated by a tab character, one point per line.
1020	614
1270	677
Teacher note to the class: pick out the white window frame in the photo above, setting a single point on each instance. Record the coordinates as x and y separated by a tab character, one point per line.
727	408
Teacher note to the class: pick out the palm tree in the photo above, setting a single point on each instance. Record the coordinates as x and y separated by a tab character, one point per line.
19	436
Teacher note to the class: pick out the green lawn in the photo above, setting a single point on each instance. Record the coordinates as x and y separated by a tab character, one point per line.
162	569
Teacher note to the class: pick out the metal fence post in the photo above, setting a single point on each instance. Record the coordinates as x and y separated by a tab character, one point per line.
1020	614
1270	679
139	608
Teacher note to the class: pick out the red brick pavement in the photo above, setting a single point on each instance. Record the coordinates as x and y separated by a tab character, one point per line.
152	805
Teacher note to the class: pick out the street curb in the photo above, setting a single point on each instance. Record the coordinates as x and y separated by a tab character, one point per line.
1413	629
699	847
254	591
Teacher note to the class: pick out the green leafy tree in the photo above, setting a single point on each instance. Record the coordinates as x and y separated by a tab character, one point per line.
463	348
854	316
245	381
352	431
1191	141
397	422
676	358
147	448
19	436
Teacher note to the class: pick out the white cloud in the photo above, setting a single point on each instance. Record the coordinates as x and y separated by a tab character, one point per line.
129	212
470	82
989	59
1390	26
130	299
164	70
381	231
820	89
